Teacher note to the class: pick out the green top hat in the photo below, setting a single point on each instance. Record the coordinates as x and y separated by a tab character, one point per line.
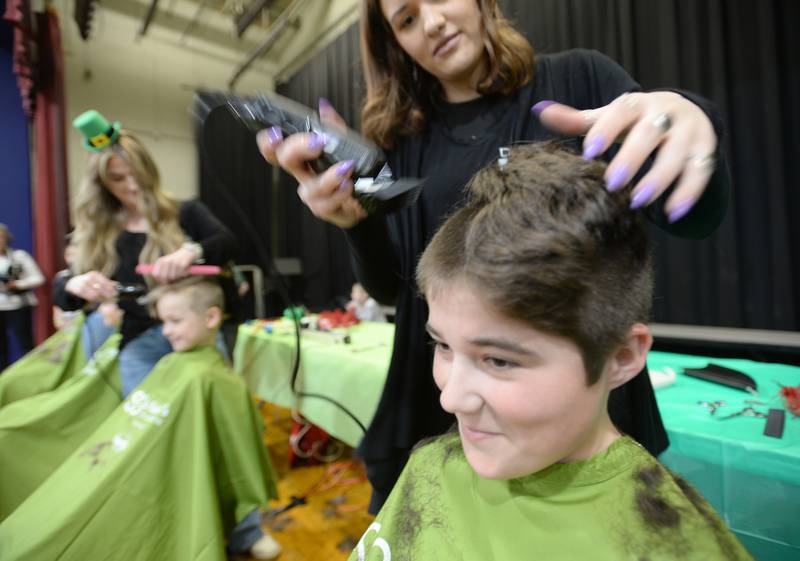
97	132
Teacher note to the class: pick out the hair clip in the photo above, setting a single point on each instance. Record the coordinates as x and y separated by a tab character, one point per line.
505	152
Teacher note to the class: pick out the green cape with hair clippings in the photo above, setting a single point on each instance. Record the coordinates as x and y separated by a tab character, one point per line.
38	433
165	477
593	509
46	367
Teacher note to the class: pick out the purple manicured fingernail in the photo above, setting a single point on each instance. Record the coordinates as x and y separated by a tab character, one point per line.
617	178
324	104
345	167
274	136
593	147
541	106
263	136
642	196
316	141
344	185
680	210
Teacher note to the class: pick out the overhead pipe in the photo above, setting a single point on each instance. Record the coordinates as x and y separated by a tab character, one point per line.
250	14
273	33
148	19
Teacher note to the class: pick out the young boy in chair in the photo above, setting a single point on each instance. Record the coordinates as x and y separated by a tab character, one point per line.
539	291
192	312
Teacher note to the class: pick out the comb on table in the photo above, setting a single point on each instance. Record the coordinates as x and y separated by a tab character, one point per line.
723	375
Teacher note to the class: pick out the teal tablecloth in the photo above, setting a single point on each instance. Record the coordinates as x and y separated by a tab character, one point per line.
353	374
752	480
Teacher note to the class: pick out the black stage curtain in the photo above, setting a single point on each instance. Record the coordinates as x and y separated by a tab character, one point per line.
336	75
743	55
236	184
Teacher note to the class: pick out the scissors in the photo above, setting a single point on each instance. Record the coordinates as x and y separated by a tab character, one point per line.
746	412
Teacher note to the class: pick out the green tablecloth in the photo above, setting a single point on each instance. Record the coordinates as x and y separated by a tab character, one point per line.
45	367
751	479
352	374
165	477
38	433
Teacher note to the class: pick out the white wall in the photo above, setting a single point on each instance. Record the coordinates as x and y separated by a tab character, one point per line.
148	84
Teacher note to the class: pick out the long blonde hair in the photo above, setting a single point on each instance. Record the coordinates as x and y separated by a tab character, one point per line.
100	217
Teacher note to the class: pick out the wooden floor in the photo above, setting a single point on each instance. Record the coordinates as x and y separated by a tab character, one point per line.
335	515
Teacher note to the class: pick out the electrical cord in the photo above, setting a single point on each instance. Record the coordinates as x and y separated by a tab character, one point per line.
268	263
332	477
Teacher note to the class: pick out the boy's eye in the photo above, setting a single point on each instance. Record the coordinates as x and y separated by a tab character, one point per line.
500	363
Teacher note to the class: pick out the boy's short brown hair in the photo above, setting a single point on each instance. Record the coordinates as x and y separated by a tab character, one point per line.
203	292
543	242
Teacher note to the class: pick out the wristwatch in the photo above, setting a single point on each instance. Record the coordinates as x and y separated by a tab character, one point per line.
195	248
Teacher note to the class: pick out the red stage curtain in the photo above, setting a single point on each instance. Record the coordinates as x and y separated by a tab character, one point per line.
50	199
18	14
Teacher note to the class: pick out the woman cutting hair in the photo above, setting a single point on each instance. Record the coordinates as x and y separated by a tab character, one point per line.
122	219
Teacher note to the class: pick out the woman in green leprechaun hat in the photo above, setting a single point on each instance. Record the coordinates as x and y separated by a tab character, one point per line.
122	219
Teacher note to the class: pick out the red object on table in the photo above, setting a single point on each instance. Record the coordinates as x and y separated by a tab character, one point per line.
336	318
791	398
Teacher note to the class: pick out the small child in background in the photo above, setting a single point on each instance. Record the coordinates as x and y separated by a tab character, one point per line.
364	307
539	290
192	311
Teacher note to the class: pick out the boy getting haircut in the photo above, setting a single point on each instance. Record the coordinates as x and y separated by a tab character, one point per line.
190	311
547	245
538	291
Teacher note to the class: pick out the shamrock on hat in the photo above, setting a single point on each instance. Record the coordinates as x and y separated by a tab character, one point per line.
97	132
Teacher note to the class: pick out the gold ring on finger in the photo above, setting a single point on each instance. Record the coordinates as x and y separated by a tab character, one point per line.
662	122
705	162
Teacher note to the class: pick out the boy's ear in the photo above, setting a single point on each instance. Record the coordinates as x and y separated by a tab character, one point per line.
213	317
631	356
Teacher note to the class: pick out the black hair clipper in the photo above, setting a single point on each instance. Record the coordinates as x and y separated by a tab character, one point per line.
374	187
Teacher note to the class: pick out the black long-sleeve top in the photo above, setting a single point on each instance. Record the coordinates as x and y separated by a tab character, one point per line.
459	140
199	225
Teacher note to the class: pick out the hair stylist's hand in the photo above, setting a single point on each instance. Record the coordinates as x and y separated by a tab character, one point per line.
111	313
666	121
173	266
93	286
327	195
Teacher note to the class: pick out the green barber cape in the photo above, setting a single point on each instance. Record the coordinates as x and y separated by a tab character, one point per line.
165	477
619	505
46	367
38	433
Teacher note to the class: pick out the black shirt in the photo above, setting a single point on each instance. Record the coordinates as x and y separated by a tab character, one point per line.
199	225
